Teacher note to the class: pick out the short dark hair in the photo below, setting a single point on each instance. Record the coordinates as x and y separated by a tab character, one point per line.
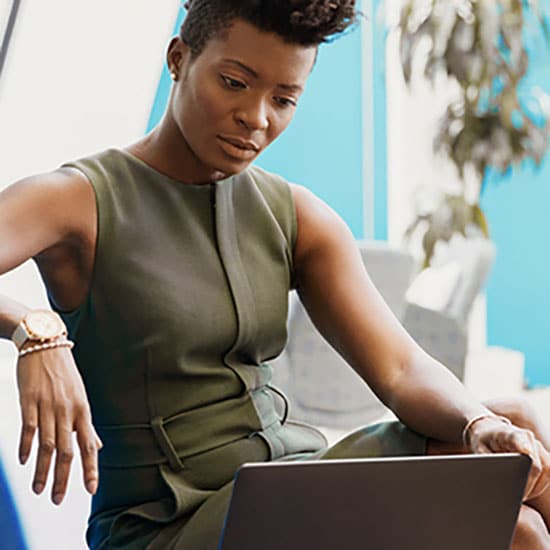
304	22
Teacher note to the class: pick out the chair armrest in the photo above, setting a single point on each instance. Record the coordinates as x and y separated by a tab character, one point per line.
441	336
322	388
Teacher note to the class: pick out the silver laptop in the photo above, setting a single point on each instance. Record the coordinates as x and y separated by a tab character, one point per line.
458	502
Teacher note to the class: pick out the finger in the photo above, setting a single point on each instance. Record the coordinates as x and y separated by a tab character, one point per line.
63	457
542	484
98	441
545	459
46	446
515	440
479	445
523	441
481	448
29	423
535	485
88	444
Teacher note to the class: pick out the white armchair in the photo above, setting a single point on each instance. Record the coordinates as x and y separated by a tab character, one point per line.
440	300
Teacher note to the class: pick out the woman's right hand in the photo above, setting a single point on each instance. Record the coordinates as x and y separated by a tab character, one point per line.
54	402
51	218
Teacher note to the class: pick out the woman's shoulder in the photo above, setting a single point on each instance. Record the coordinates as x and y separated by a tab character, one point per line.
59	194
301	197
269	183
319	228
102	163
276	192
41	211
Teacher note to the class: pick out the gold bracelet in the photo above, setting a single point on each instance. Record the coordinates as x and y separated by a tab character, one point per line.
47	345
477	418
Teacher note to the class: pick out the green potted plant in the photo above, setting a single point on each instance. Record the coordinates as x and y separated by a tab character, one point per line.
481	47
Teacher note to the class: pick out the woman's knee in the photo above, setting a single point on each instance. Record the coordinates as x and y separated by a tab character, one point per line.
531	532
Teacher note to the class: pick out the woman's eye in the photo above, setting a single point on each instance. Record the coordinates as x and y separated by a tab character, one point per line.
232	83
285	102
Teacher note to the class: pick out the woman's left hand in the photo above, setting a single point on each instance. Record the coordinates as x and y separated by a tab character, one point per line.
493	435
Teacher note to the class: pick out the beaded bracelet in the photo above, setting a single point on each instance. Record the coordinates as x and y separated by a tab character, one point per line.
47	345
477	418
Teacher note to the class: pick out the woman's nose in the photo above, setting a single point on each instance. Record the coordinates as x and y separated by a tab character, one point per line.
253	117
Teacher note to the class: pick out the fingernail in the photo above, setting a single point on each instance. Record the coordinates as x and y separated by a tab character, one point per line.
92	487
38	487
57	498
23	459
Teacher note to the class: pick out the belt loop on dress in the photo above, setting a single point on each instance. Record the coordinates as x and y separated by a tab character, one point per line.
165	444
285	401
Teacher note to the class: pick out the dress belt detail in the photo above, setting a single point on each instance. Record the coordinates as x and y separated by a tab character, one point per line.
172	439
165	444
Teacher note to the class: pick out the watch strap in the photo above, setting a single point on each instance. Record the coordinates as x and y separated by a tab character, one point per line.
20	335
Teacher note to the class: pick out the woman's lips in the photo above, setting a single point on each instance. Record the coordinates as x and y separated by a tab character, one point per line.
240	152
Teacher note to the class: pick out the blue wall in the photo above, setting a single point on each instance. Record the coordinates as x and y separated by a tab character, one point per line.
518	210
322	148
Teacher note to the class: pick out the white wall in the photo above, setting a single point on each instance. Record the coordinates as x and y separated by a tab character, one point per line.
80	76
413	115
412	118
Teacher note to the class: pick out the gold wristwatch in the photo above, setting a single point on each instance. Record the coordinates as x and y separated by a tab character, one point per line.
40	325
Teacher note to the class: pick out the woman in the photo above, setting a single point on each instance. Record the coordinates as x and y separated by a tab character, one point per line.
170	262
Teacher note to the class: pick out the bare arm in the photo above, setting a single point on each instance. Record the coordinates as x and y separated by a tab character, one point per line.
11	314
39	214
347	309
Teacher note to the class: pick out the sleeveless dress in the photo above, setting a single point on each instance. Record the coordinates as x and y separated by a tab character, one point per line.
187	304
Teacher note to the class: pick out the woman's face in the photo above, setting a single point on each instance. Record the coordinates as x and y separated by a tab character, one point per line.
237	96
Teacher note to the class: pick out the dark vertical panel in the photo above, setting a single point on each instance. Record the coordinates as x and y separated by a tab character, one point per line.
11	533
4	47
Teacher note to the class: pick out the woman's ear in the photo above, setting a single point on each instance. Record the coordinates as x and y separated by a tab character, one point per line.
177	56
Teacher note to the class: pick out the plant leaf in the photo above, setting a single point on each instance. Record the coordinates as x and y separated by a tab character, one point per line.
480	220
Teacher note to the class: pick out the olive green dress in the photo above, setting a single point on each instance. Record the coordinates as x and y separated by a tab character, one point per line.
188	303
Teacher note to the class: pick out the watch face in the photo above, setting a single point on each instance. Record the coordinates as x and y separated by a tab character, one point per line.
44	324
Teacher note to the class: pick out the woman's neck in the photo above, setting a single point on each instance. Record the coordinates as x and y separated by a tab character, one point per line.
167	151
